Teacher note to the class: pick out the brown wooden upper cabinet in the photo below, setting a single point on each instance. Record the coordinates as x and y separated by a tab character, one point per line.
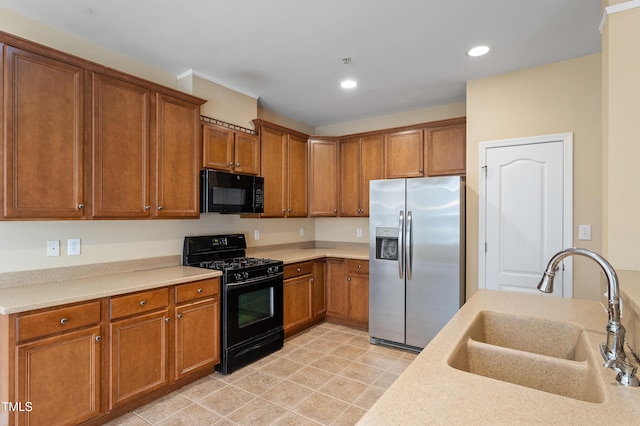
43	159
231	151
361	160
446	148
323	177
121	145
139	171
404	154
86	141
284	166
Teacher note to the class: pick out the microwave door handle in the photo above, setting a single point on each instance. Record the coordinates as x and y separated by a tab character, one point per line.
401	245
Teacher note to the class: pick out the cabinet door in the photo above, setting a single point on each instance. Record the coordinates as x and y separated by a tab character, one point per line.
446	152
358	298
120	141
297	177
404	154
274	163
372	167
336	288
139	356
323	185
318	289
177	158
217	148
247	154
297	302
60	377
350	187
43	141
197	336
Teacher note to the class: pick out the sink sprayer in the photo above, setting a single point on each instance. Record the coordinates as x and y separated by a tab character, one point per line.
613	350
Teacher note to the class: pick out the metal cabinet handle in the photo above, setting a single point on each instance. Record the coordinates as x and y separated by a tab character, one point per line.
143	302
289	210
359	266
199	290
167	319
420	170
159	207
179	316
284	211
147	207
335	210
313	280
348	278
230	164
64	321
299	269
237	164
81	206
98	338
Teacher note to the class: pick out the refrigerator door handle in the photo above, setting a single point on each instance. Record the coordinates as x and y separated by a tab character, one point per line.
409	239
401	259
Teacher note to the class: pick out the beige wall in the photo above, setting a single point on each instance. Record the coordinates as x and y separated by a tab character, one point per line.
556	98
406	118
621	70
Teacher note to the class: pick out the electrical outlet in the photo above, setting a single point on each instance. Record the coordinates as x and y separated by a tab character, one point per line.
359	232
53	248
302	232
73	247
256	234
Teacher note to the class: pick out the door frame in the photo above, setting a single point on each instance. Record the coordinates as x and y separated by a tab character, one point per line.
567	238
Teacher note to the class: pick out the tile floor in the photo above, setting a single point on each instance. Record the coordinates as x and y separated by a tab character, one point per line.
327	375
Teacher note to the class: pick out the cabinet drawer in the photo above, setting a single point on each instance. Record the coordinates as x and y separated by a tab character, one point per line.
358	266
297	269
55	321
197	289
137	303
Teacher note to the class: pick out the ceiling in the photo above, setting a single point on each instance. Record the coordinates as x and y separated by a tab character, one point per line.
405	54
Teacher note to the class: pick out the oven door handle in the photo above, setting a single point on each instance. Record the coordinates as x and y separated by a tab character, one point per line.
252	281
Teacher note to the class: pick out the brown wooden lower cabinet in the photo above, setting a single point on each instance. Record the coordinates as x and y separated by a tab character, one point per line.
303	296
89	362
347	282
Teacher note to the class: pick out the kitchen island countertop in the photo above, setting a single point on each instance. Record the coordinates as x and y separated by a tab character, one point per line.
430	391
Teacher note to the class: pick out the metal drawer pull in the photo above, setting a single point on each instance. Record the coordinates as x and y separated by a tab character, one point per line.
98	338
299	269
142	303
199	290
167	319
63	321
179	316
359	266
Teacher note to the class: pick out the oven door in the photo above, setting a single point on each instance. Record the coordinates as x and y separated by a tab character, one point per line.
251	309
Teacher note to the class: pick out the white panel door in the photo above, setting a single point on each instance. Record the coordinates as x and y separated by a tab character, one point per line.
524	202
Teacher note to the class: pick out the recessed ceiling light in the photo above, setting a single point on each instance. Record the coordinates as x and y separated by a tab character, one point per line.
348	84
478	51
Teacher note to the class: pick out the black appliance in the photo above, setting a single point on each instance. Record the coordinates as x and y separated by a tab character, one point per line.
222	192
251	297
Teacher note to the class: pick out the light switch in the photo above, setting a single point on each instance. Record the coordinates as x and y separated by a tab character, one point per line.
53	248
584	232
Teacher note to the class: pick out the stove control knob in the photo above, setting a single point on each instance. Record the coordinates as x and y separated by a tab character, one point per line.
237	276
272	270
245	275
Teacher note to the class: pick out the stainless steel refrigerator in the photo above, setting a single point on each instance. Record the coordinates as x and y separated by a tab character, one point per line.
416	258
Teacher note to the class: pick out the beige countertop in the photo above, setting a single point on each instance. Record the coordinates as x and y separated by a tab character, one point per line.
304	254
430	391
45	295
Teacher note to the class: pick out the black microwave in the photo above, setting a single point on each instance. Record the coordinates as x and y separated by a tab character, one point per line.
222	192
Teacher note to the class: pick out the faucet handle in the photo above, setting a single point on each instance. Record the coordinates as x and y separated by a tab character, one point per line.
626	372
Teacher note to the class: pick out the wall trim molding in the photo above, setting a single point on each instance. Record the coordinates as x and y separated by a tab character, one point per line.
621	7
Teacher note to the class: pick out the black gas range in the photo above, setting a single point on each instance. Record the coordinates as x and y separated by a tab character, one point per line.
251	297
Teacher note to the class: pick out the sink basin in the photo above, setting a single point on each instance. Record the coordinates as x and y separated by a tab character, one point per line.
536	335
549	356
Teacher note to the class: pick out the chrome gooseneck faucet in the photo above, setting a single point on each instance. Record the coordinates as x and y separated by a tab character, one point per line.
613	350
